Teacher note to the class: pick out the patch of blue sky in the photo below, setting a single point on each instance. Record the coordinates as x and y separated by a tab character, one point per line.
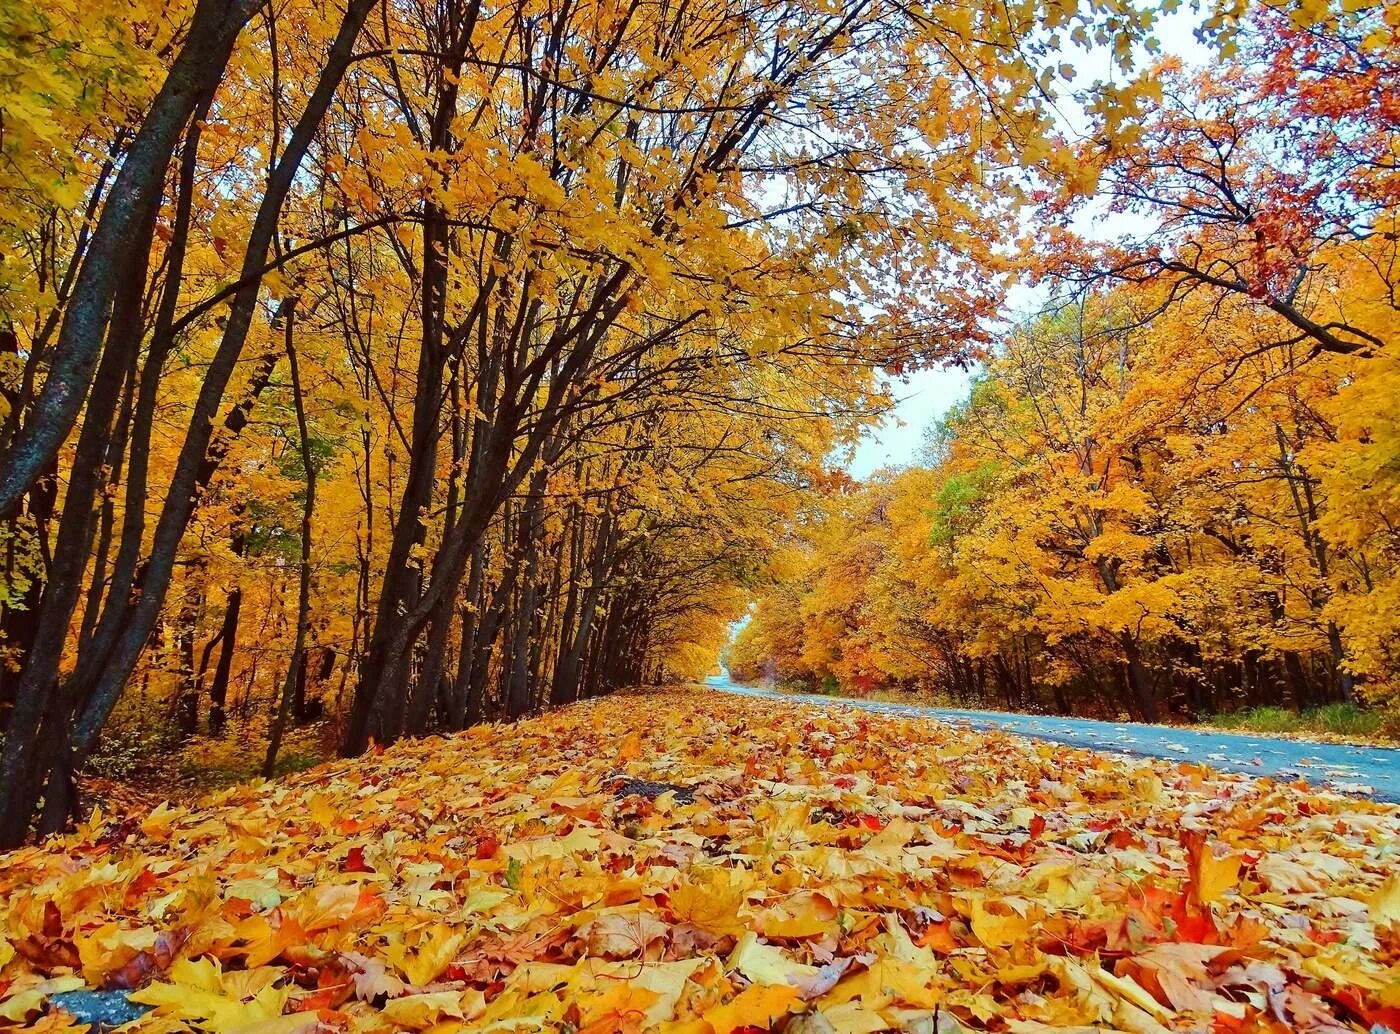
925	397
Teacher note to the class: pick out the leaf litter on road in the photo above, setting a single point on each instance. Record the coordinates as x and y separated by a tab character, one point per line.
732	865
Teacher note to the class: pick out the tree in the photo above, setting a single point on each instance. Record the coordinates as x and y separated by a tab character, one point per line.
55	720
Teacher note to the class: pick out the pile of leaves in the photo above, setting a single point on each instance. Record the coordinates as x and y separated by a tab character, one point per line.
686	862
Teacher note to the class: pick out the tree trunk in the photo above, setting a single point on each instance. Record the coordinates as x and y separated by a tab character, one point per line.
1139	682
296	668
228	636
120	243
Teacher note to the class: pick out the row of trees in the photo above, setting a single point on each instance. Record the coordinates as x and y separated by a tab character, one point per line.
1104	527
454	358
450	359
1176	489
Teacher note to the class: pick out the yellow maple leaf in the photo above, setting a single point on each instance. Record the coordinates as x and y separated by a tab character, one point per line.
423	1010
630	748
996	923
196	991
757	1006
1211	874
617	1004
1385	902
710	898
23	1003
434	950
336	904
887	981
802	915
768	964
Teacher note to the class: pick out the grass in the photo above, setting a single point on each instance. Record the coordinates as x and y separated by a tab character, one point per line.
1333	719
203	777
1342	721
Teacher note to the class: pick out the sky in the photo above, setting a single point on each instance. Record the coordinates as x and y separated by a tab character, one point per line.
924	397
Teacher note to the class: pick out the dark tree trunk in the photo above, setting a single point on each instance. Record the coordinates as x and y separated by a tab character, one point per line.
228	640
1139	682
566	674
120	243
296	668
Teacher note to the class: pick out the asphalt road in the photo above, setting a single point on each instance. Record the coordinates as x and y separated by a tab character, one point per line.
1360	771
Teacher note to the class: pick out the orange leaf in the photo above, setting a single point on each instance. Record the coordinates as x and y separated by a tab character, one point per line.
1211	875
758	1006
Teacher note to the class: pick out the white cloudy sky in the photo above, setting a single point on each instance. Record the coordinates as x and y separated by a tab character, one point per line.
926	396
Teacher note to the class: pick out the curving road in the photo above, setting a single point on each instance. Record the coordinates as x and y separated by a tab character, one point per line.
1372	772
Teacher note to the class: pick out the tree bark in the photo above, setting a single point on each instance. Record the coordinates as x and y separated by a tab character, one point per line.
296	667
120	241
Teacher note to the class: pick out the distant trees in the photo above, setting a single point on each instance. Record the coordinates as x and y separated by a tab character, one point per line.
1174	490
1163	519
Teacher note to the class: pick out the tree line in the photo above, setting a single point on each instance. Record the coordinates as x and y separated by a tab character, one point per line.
1085	537
423	363
427	363
1173	491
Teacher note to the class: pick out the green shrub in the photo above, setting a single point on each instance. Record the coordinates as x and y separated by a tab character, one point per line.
1338	719
137	741
1347	719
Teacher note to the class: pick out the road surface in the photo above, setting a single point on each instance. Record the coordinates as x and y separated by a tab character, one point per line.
1361	771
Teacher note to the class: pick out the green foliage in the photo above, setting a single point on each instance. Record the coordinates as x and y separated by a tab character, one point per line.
1340	719
272	531
142	744
203	769
137	741
959	504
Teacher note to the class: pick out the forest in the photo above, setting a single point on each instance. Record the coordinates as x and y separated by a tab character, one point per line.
1110	526
1172	492
387	367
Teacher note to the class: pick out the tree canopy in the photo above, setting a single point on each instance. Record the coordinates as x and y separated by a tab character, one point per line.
413	365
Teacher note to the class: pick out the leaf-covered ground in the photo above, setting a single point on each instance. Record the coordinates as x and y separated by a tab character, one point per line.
700	863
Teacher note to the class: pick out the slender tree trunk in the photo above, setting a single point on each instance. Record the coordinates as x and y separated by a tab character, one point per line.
484	643
297	667
1343	679
38	739
218	688
90	693
19	623
187	698
466	704
566	675
200	459
120	242
382	703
